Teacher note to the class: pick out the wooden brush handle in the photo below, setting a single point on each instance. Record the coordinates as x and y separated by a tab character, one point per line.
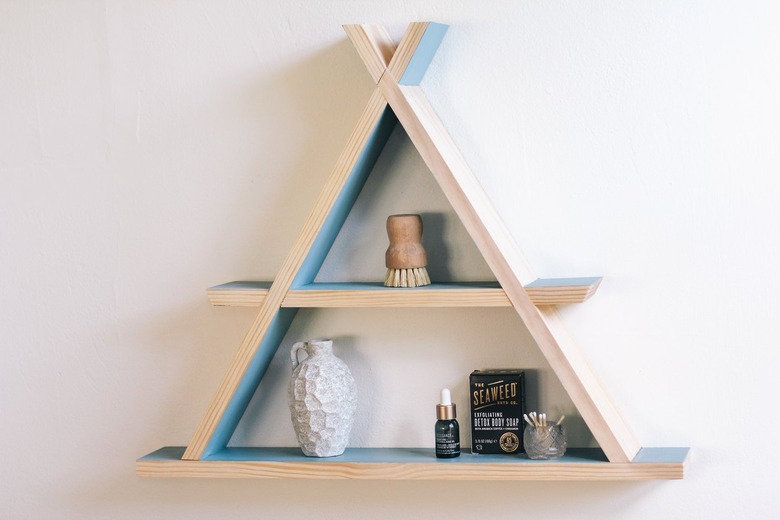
406	250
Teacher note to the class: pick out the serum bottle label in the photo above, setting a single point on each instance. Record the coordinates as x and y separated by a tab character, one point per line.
447	444
447	439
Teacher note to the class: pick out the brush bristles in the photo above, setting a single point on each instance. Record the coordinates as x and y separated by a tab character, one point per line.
416	277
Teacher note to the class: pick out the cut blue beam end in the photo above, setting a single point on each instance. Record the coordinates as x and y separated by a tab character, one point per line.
423	56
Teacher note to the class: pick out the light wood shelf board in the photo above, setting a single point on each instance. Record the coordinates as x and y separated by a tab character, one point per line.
552	291
238	293
379	296
413	464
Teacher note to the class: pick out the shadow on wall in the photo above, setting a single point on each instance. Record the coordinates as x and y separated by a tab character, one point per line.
303	116
434	231
310	107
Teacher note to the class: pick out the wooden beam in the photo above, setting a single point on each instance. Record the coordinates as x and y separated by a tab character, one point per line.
374	46
415	52
500	251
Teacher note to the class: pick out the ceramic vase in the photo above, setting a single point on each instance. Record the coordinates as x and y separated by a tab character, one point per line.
323	399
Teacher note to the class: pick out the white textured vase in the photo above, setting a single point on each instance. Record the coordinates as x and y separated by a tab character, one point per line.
323	399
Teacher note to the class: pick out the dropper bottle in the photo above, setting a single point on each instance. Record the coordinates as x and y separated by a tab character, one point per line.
447	429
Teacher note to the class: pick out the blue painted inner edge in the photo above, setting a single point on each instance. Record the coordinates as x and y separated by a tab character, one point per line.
656	455
380	286
563	282
346	199
248	385
311	265
573	455
399	455
423	56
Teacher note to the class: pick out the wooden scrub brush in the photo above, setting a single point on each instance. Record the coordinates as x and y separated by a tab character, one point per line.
405	259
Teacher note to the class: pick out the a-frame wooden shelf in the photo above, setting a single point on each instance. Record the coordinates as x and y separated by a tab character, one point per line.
397	98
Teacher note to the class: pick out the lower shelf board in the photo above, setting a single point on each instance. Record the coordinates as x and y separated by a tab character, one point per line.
413	464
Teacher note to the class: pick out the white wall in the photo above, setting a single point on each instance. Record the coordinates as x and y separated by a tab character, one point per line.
149	150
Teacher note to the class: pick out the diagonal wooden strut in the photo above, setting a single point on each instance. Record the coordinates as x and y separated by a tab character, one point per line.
397	72
302	263
500	251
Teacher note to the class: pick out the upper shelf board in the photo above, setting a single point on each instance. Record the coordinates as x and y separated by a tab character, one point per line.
549	291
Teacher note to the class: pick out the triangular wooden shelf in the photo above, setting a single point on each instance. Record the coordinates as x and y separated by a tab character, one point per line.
397	97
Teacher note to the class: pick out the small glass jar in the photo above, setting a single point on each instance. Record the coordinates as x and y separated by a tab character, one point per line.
544	442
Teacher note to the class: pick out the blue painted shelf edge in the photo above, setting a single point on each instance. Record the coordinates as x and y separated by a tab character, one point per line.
416	455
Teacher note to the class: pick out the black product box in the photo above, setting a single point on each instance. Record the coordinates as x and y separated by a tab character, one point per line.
497	406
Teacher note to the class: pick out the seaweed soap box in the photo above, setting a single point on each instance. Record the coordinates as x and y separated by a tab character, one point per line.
497	408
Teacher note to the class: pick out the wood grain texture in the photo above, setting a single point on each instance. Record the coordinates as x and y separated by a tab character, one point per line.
552	291
374	45
405	235
414	464
405	50
386	297
502	255
558	291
